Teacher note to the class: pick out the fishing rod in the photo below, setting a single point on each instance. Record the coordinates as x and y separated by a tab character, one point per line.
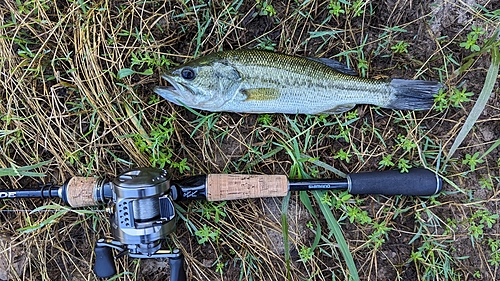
142	213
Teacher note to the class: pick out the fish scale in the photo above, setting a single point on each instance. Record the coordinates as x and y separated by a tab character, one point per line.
257	81
293	84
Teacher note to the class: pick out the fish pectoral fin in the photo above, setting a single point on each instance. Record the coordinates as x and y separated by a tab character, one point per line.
340	108
338	66
261	94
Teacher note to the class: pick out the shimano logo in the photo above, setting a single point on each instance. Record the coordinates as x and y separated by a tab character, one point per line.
10	194
319	186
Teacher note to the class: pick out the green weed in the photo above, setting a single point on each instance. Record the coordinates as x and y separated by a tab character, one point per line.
479	221
144	62
379	234
204	122
493	16
434	260
213	211
406	143
486	182
400	48
404	165
472	160
385	39
250	269
357	215
456	97
207	233
386	161
441	101
460	96
472	38
355	8
362	65
335	8
336	201
219	268
265	119
156	145
343	155
58	212
343	133
265	8
305	254
494	245
265	43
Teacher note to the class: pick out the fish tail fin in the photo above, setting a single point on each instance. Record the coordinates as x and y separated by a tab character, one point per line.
413	94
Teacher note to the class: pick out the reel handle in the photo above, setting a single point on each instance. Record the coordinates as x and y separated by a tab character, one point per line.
104	266
177	272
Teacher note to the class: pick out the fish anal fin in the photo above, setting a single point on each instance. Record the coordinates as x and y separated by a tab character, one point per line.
340	108
261	94
338	66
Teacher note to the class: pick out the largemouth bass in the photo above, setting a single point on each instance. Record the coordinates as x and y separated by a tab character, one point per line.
256	81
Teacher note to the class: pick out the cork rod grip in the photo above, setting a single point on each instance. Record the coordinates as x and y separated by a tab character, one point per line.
80	191
230	187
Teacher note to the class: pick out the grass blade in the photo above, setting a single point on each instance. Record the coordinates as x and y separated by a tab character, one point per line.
339	236
284	228
489	83
492	147
304	198
50	220
16	171
325	166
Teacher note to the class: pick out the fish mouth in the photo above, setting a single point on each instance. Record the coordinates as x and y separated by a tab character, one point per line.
175	93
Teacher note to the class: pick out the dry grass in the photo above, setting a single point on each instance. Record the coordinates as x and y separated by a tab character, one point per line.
61	101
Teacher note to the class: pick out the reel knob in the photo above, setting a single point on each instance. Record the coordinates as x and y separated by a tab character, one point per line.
177	272
104	266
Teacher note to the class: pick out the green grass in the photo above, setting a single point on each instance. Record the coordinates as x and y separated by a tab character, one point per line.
76	99
16	171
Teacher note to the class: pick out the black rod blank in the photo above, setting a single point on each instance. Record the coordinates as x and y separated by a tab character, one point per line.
43	192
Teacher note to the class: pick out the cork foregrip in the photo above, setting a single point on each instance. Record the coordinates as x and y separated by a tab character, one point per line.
230	187
80	192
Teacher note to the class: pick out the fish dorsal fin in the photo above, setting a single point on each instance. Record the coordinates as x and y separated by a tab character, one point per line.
340	108
338	66
261	94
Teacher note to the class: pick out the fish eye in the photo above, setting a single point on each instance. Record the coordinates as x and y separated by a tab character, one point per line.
188	73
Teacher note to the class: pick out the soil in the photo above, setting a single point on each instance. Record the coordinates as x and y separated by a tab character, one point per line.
11	258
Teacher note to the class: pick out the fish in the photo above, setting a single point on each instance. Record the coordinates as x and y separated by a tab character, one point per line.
260	81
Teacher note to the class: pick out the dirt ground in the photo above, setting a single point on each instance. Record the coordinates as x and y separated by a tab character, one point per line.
61	101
